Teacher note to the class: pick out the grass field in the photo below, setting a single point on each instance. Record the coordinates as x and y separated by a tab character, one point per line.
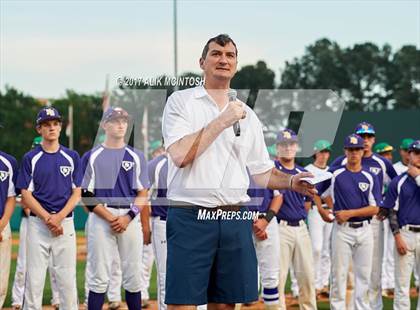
152	289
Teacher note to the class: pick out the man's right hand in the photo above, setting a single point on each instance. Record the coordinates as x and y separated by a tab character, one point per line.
400	244
326	215
233	113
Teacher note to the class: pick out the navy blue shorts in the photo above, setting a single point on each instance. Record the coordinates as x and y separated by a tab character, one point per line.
209	261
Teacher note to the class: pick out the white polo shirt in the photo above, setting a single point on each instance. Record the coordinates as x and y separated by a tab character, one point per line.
218	176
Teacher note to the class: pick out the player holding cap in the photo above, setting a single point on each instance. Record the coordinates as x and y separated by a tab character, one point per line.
319	229
115	190
403	201
383	169
384	149
50	181
295	242
8	174
355	196
402	166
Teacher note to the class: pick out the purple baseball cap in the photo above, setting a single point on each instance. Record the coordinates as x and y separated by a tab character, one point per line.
47	114
364	128
115	112
415	146
354	142
286	135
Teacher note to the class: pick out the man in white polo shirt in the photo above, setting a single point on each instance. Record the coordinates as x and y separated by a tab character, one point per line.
213	261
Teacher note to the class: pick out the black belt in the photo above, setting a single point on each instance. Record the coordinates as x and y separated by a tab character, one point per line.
292	223
415	229
68	215
162	218
119	206
195	207
357	224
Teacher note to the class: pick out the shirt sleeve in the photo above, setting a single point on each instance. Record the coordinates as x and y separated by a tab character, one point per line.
390	170
25	174
391	196
175	122
258	160
77	174
143	176
377	192
151	165
322	187
338	162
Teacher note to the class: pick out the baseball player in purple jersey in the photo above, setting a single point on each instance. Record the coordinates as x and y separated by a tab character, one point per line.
295	242
50	182
115	187
403	201
383	169
8	174
355	195
266	240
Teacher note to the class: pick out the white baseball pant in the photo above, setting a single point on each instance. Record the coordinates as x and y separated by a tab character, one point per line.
404	265
114	287
268	255
104	243
320	232
41	245
295	244
375	286
388	260
356	245
5	259
147	263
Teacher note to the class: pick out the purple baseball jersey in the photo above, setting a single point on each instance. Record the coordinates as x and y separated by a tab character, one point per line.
8	176
158	175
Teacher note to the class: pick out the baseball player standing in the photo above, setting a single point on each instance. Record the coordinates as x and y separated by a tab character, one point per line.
320	230
8	174
214	261
20	272
403	199
295	242
115	187
383	169
50	181
402	166
266	240
355	196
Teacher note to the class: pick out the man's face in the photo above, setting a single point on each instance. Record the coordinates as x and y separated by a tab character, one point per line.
323	156
405	156
354	155
287	150
220	62
49	130
414	157
369	141
387	155
116	128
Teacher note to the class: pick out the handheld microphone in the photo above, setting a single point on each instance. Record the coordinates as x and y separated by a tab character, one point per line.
232	97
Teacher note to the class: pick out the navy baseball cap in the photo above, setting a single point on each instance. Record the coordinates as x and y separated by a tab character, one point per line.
286	135
47	114
115	112
415	146
364	128
353	142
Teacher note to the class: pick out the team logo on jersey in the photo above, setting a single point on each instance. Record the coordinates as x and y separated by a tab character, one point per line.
127	165
375	170
3	175
363	186
65	170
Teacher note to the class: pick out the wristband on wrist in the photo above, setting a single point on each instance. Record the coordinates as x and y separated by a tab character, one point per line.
134	210
269	215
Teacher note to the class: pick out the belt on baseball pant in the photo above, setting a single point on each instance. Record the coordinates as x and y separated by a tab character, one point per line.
186	205
356	225
413	228
117	206
292	223
68	215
